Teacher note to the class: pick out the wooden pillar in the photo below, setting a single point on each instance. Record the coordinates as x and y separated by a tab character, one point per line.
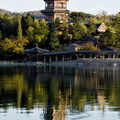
83	55
63	70
50	69
77	56
55	58
90	55
44	69
116	55
29	57
36	57
44	59
63	58
49	58
97	55
103	55
70	57
113	55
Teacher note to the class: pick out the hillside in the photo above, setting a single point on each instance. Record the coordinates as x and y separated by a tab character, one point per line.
2	11
37	14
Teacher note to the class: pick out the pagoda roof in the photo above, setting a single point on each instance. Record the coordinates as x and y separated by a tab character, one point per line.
54	11
57	0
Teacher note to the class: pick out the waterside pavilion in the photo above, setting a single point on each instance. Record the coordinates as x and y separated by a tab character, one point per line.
35	52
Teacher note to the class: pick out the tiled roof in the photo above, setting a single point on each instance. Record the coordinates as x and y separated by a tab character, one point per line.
90	39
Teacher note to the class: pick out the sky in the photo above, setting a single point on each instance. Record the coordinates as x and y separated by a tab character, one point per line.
87	6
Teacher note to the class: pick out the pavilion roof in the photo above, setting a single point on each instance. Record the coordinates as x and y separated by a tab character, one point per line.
36	50
81	52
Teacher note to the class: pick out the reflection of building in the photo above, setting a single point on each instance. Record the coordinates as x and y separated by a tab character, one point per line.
55	9
60	112
100	93
93	82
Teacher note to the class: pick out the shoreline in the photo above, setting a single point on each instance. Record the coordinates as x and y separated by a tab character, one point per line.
79	62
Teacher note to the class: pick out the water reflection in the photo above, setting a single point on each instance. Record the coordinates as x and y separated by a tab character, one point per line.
60	93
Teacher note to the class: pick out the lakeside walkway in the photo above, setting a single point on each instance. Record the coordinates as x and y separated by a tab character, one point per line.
77	55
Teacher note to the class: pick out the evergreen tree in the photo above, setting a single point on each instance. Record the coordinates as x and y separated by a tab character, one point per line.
19	30
64	34
117	26
91	28
64	38
38	32
53	36
78	31
80	16
26	21
0	36
107	39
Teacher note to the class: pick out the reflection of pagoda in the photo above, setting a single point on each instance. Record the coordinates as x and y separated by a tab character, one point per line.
56	9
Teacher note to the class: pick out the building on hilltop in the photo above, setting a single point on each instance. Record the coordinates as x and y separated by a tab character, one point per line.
101	27
56	9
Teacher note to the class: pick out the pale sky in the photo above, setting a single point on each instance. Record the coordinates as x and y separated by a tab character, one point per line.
87	6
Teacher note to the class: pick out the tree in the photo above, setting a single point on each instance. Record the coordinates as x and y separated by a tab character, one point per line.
19	30
78	30
88	46
117	25
12	45
91	28
80	16
64	36
53	36
0	36
26	22
38	32
108	39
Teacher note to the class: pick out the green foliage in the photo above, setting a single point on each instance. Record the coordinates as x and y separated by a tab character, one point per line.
0	36
64	36
108	39
117	25
26	21
102	17
78	30
53	35
13	45
91	28
80	16
20	32
35	30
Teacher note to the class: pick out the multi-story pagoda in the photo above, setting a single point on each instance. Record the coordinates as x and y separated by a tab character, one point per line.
56	9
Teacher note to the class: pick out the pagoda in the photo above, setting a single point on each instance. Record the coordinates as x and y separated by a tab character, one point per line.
56	9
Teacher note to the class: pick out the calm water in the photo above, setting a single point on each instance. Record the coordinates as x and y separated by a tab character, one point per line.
59	93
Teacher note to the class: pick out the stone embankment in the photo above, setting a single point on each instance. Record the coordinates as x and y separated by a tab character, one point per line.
90	62
79	62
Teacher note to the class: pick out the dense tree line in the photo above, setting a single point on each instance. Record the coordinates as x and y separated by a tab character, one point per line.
21	32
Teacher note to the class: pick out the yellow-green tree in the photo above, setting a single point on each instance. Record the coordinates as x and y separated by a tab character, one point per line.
88	46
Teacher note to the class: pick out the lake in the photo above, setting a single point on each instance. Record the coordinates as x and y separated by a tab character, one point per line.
59	93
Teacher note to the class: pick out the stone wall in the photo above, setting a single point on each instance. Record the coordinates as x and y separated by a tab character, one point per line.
90	62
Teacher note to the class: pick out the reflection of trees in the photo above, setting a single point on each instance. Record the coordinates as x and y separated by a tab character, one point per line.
58	88
92	86
114	97
17	92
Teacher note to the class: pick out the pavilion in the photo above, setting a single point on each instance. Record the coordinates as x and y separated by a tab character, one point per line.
36	51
